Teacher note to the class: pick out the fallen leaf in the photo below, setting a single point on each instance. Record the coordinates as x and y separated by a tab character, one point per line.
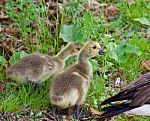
94	6
19	45
145	65
94	112
2	1
3	15
9	43
54	11
6	46
33	40
1	6
110	13
11	30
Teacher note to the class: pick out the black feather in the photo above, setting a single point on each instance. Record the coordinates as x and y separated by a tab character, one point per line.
112	99
116	109
118	97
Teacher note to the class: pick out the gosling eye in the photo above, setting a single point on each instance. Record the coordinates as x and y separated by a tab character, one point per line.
94	47
78	48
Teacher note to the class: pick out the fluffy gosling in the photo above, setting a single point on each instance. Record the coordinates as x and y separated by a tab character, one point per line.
70	87
39	67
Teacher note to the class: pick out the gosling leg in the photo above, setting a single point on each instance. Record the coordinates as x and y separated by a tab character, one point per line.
38	85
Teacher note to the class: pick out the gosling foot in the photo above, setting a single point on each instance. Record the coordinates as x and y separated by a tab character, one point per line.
78	112
38	85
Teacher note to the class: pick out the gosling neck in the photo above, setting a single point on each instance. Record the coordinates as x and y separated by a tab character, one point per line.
63	54
82	59
85	65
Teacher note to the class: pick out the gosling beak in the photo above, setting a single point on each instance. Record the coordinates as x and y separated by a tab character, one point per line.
101	51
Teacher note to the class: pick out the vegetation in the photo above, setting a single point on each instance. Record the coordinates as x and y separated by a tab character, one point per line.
124	33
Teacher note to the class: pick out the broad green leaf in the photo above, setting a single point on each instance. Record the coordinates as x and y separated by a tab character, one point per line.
143	21
125	49
132	49
148	30
121	49
2	60
148	5
112	51
17	56
113	55
130	34
22	54
112	46
122	58
128	48
71	33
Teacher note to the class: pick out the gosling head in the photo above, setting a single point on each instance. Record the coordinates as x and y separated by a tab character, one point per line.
73	48
91	49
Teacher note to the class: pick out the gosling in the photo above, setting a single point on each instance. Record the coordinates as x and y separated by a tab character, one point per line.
39	67
69	88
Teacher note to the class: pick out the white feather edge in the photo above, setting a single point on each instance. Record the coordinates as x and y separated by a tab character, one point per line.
143	110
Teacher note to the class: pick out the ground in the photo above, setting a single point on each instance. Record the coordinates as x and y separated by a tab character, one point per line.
121	26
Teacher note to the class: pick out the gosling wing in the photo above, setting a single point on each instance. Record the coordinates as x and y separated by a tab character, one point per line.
30	67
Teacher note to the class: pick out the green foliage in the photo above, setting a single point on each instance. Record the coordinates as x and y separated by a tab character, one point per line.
148	5
143	21
121	52
91	25
25	17
71	33
25	95
17	56
125	49
32	21
2	60
112	51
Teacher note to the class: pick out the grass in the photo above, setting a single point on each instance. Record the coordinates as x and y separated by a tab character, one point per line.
18	99
33	22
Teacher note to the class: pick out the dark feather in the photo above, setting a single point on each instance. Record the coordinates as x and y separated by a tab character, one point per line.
112	99
116	109
118	97
137	93
137	87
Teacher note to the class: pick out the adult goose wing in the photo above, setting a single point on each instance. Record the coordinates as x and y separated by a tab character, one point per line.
131	89
134	96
